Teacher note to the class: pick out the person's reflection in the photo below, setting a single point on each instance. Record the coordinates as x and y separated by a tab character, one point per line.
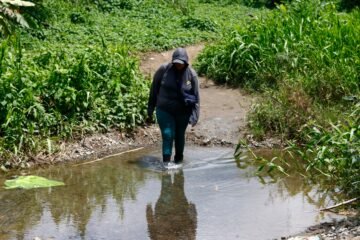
174	217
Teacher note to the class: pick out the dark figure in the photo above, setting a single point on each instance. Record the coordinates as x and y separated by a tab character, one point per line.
175	95
173	217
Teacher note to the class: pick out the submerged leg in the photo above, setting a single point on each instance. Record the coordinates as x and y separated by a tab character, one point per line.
167	127
181	122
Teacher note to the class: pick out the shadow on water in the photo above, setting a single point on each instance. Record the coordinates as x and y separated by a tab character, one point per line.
173	216
130	197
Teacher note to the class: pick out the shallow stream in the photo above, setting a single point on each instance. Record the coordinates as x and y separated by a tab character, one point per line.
129	197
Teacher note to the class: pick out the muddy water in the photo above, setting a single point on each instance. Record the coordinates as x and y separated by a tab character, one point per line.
129	197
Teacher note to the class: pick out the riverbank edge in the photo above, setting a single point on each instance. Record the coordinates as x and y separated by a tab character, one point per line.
345	229
101	145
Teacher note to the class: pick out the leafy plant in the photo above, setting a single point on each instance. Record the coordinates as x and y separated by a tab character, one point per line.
110	5
283	112
335	151
78	75
66	93
299	56
201	24
266	3
307	43
77	18
185	6
304	59
330	153
29	182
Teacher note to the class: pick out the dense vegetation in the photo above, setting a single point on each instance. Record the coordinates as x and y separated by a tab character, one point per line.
305	59
55	93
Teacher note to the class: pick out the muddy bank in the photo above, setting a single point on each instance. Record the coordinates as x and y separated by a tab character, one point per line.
347	229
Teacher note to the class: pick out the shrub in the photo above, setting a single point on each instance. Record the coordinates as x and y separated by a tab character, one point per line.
201	24
64	93
282	113
110	5
309	43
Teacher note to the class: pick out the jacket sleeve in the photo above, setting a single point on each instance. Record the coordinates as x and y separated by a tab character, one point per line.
154	89
195	114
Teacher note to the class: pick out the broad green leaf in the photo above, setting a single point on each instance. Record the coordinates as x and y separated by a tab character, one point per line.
29	182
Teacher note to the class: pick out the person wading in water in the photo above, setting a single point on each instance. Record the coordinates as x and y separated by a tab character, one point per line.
174	94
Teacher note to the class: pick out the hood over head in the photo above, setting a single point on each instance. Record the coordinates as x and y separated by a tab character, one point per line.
180	56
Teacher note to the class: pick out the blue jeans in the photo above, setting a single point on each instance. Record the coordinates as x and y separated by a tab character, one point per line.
173	127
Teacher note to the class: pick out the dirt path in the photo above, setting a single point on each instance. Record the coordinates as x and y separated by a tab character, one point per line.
223	111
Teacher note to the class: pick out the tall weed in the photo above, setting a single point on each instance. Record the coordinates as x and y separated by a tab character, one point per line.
282	113
58	93
308	43
334	151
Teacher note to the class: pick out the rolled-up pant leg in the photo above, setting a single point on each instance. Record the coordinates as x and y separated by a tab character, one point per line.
167	127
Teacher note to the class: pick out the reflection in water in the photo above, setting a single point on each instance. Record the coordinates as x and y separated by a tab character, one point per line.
174	217
110	200
14	218
314	191
87	189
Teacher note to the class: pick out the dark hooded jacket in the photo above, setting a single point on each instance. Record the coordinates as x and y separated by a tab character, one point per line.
176	92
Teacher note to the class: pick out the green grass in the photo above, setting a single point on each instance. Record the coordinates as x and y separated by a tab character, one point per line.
298	44
148	26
